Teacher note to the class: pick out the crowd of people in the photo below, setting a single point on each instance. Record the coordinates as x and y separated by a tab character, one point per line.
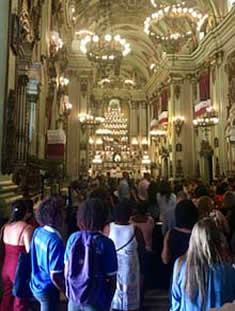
97	246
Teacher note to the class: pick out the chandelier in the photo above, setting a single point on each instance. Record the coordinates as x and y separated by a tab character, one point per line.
97	159
173	11
117	82
210	118
158	132
146	160
89	120
106	48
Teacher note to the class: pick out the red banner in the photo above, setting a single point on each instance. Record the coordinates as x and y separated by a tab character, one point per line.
164	101
55	151
204	86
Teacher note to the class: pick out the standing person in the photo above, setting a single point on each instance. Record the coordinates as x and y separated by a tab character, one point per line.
16	237
143	187
145	224
84	293
203	279
124	188
166	200
126	237
176	240
47	256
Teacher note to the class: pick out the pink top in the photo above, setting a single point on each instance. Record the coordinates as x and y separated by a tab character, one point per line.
146	228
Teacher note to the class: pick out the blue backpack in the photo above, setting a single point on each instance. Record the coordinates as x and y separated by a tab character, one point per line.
85	282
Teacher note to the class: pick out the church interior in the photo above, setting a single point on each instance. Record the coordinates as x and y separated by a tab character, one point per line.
113	101
101	87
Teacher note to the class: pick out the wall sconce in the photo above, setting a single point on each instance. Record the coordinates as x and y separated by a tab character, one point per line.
64	81
56	43
67	106
144	141
178	123
134	141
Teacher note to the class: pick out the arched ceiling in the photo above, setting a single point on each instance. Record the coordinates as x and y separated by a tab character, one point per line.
127	18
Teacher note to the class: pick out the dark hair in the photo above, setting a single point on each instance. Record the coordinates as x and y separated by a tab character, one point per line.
205	206
200	191
152	191
92	215
186	214
122	211
99	193
179	187
181	195
222	188
49	210
18	211
229	206
142	208
229	200
29	205
165	189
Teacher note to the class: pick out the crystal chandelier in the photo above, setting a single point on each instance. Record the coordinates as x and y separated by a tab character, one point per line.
173	11
89	120
158	132
97	159
117	82
210	118
106	48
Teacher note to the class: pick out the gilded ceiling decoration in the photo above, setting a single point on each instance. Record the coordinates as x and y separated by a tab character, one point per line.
176	27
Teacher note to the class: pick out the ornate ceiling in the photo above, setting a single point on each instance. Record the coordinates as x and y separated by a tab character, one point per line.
127	17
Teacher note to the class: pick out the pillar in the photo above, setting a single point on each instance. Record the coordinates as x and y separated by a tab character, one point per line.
73	132
4	21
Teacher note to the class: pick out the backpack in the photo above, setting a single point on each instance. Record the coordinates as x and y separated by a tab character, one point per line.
84	280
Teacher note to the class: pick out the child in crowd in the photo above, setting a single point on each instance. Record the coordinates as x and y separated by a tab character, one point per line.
90	261
47	256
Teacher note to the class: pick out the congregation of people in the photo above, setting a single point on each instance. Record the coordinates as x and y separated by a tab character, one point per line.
107	242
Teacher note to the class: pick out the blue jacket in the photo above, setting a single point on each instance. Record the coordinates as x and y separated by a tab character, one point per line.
221	288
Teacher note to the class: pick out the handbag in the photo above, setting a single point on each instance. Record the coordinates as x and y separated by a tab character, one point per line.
21	287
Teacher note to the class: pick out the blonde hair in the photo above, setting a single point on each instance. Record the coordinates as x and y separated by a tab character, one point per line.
204	251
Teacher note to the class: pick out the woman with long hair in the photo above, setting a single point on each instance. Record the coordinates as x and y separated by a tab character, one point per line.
203	279
16	238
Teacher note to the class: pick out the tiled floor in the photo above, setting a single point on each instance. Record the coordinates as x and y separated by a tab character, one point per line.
155	300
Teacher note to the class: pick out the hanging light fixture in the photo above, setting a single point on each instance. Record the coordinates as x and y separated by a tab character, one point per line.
210	118
180	10
117	82
105	47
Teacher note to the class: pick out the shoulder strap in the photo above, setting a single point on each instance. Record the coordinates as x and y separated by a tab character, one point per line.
21	233
127	243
